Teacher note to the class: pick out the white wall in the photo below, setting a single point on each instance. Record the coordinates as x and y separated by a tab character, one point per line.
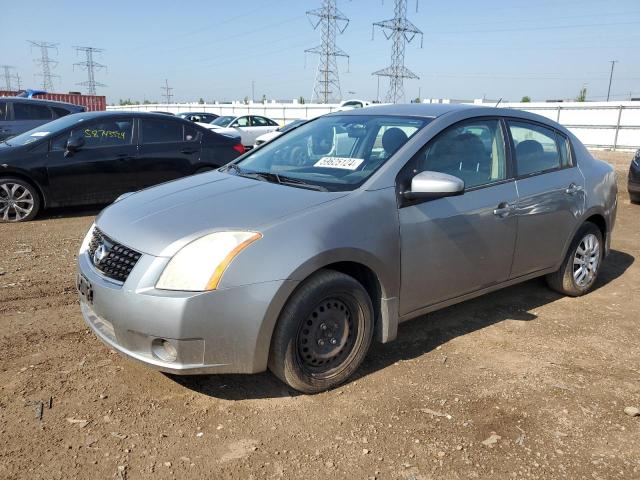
614	125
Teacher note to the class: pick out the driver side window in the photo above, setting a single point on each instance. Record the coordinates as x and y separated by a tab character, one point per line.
241	122
472	150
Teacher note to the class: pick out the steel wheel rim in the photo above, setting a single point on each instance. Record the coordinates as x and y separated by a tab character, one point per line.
16	202
586	260
327	337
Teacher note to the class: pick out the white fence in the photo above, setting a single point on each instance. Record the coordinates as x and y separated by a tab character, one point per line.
609	125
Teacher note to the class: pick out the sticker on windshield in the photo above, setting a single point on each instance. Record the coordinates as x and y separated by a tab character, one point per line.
345	163
40	134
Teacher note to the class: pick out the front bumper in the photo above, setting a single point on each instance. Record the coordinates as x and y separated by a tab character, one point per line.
221	331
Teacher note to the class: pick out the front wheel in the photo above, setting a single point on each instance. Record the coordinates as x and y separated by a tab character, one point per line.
580	268
323	333
19	200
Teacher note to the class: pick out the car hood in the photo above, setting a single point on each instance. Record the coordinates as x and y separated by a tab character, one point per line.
160	220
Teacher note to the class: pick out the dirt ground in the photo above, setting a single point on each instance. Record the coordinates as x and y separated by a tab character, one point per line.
521	383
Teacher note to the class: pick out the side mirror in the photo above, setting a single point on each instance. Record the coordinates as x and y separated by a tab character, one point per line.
430	185
74	144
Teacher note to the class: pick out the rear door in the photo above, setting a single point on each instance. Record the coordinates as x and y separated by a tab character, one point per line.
25	116
456	245
168	149
551	195
98	172
262	125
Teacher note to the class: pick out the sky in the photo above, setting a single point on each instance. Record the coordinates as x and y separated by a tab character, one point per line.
545	49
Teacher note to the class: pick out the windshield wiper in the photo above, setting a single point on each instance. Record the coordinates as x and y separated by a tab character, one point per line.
274	178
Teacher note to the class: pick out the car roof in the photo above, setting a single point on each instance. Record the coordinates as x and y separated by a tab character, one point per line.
434	110
120	113
42	101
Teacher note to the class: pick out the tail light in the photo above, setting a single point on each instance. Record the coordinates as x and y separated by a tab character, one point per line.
239	148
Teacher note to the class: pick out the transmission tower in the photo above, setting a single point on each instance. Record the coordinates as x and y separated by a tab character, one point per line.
7	76
18	81
401	31
167	91
46	63
331	22
90	65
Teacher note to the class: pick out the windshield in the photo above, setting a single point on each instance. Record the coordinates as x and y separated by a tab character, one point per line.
46	130
222	121
291	125
336	152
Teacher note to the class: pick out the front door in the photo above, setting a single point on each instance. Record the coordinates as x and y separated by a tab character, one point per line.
551	196
99	171
456	245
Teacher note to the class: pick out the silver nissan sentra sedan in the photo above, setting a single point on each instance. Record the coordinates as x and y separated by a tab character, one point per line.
298	254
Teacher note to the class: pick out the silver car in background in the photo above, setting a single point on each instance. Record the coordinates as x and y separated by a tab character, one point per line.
295	256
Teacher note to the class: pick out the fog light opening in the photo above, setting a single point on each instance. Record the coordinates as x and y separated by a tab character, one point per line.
164	350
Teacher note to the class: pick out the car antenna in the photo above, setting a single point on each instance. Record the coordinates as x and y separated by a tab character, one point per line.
498	102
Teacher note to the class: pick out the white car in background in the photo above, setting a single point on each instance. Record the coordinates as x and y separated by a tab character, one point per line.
267	137
351	104
249	127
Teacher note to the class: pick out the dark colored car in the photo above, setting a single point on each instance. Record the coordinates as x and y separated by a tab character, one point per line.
203	117
94	157
17	114
634	179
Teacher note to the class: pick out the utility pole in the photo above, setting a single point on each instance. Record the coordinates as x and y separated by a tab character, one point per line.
7	76
613	62
90	65
332	21
167	91
401	31
46	63
253	91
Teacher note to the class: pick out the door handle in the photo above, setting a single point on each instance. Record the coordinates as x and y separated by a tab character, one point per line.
504	209
188	151
572	189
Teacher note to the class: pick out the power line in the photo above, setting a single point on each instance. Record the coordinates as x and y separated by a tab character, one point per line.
167	91
46	63
401	31
331	21
613	63
7	76
90	65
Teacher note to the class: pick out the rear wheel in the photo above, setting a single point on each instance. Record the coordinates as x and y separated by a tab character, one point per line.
323	334
19	200
580	268
634	197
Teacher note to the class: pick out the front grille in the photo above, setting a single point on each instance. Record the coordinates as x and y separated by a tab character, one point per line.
110	258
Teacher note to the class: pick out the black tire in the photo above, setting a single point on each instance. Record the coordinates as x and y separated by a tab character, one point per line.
564	280
19	200
634	197
323	333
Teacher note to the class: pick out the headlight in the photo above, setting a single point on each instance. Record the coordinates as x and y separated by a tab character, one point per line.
199	265
87	238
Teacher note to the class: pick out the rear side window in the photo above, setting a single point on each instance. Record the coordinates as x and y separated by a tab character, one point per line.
537	148
60	112
30	111
161	131
260	122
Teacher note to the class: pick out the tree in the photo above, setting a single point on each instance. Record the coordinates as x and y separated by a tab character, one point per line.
264	98
201	101
301	100
526	99
582	96
417	100
246	100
